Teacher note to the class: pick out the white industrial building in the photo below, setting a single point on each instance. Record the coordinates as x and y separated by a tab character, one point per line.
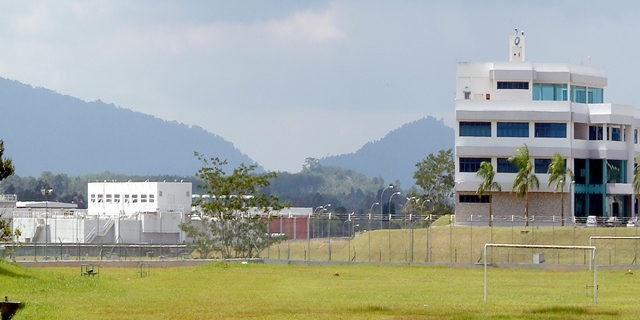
117	212
550	107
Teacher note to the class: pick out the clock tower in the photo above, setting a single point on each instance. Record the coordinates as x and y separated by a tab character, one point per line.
516	43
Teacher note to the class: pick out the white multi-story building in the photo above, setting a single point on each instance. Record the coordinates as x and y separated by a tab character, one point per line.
550	107
117	212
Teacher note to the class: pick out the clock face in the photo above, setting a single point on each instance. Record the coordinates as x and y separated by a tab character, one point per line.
516	41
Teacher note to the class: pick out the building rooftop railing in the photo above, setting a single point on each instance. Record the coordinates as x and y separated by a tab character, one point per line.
8	198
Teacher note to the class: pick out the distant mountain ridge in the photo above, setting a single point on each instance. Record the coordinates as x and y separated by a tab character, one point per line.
43	130
46	131
395	155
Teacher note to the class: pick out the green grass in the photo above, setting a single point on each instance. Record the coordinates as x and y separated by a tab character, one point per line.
462	244
361	291
259	291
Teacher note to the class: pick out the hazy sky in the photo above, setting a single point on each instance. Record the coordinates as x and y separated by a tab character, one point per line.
287	80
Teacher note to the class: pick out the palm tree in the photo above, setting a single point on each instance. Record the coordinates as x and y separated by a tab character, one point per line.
486	173
558	172
525	178
636	177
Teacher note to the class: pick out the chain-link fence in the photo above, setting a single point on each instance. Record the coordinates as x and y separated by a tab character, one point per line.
396	239
80	252
422	239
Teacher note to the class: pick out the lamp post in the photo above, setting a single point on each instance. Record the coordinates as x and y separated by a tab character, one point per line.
382	201
46	192
349	235
426	258
390	198
319	209
369	227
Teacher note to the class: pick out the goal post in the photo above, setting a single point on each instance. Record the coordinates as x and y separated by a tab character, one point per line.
592	261
615	238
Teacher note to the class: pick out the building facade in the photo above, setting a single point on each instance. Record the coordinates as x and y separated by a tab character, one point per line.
549	107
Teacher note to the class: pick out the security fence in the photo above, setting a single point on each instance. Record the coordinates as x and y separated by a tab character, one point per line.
424	239
409	239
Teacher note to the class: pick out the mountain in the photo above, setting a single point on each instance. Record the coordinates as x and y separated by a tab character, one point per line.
46	131
395	155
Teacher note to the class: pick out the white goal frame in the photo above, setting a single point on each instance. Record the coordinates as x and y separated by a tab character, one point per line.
592	262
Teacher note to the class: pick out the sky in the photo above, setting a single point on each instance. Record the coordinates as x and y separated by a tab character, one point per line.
287	80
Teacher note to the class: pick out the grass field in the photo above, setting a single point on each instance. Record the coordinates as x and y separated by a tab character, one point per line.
359	291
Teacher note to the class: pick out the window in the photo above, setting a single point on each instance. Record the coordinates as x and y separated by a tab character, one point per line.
472	198
134	198
126	198
541	165
100	198
504	166
550	91
579	94
159	193
93	196
513	129
550	130
108	198
188	194
475	129
143	198
635	136
595	133
615	134
152	198
471	164
116	198
521	85
595	95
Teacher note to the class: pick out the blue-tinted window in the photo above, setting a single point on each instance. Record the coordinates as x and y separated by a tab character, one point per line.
541	165
504	166
475	129
595	133
522	85
550	91
513	129
615	134
595	95
579	94
550	130
471	164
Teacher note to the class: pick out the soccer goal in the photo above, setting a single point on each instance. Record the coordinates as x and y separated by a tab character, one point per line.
620	252
592	261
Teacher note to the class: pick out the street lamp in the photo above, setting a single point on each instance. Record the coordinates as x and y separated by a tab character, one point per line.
46	192
390	198
382	201
319	210
369	227
426	258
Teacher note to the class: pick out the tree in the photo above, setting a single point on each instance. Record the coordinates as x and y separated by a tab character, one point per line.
435	175
6	169
232	220
525	178
558	172
6	166
636	177
487	173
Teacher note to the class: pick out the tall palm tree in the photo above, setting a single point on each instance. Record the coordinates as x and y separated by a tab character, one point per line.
558	172
525	178
487	173
636	177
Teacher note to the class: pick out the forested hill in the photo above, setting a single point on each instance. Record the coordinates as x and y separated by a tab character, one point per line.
394	157
46	131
